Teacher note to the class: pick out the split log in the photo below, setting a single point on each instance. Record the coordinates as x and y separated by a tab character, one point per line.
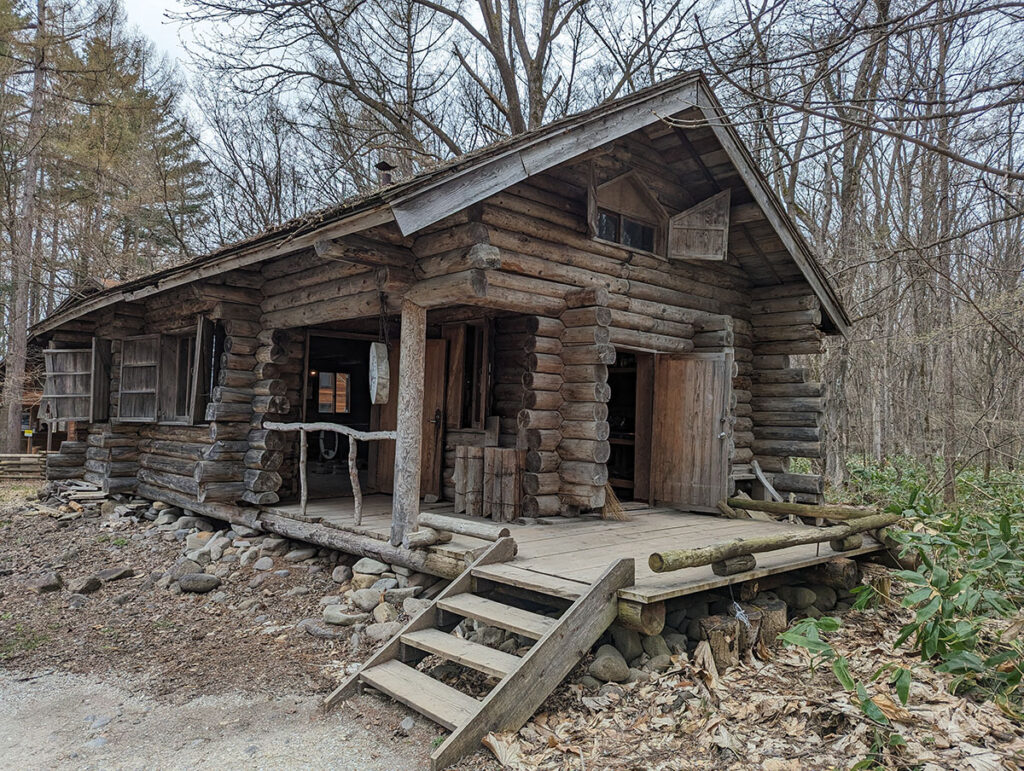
662	562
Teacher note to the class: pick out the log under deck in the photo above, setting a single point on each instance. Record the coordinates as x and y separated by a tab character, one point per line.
581	549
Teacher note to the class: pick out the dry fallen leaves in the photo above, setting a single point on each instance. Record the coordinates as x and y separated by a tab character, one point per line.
771	715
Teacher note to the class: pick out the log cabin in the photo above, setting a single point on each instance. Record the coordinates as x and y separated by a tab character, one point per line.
598	312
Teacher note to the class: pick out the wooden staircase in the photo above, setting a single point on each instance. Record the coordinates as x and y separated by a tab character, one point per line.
523	682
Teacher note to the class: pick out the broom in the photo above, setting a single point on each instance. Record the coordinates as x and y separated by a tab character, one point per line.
612	506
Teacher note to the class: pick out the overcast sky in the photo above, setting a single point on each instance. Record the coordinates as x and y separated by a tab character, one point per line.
149	16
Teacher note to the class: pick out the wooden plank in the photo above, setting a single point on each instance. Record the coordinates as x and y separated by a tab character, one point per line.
516	698
502	483
453	192
644	418
542	583
523	622
470	654
499	551
441	703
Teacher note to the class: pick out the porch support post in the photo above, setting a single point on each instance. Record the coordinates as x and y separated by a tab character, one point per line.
409	438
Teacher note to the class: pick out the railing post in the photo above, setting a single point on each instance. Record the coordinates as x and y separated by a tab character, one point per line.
353	475
303	489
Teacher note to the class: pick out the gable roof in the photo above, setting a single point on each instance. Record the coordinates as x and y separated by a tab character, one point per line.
443	190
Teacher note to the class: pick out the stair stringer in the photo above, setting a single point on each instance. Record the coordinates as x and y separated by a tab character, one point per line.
501	550
514	700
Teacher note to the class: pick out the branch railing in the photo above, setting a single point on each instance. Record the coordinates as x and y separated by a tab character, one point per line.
353	470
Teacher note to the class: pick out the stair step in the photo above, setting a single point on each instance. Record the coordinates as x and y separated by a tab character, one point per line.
510	575
523	622
479	657
432	698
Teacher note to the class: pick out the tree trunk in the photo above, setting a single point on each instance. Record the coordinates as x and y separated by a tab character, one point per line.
21	253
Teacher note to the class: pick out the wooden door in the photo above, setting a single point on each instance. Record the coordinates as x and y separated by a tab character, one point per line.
432	451
690	432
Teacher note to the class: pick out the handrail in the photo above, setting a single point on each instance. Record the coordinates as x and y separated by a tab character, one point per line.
353	472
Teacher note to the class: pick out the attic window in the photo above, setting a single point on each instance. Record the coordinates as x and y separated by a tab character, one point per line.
623	211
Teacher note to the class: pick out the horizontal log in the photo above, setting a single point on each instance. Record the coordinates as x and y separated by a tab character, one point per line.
420	560
586	336
786	418
787	404
539	461
588	354
585	373
539	419
787	449
665	561
790	347
585	411
541	484
585	429
799	483
650	341
586	392
789	433
578	472
218	471
787	390
827	511
470	527
593	316
541	505
584	450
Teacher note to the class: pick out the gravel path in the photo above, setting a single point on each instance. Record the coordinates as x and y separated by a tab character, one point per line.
78	721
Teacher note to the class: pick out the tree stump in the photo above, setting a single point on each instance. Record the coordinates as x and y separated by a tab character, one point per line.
734	565
838	573
749	635
877	577
723	636
773	619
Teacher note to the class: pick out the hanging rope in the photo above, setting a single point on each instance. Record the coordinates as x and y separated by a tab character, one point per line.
385	336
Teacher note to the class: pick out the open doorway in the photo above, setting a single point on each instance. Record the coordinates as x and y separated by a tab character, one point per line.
631	380
337	391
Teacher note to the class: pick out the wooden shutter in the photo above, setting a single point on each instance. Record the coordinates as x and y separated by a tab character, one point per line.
67	391
690	442
702	231
140	379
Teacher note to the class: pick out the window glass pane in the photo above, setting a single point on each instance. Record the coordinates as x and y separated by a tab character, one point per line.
325	392
183	376
607	225
637	235
341	384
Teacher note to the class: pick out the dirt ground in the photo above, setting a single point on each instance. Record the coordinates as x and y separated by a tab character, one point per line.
141	677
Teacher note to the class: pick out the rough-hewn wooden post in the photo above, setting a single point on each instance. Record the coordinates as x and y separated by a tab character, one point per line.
409	440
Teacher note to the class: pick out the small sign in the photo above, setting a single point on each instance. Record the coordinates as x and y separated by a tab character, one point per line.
28	432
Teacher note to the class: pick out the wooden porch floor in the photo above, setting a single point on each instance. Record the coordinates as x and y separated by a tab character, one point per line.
581	549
